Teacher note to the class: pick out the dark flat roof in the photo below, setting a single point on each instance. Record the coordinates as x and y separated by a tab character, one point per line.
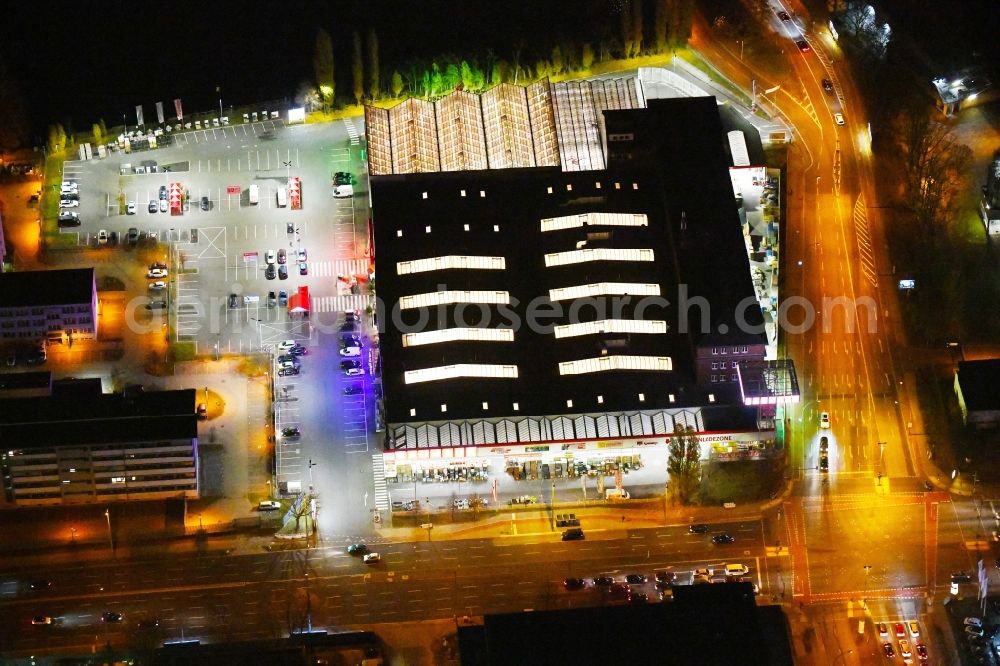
705	625
694	231
89	417
979	381
516	201
15	381
41	288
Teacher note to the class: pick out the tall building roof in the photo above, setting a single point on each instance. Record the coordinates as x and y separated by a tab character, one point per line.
41	288
89	417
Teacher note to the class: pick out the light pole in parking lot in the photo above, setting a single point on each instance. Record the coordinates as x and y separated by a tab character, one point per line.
311	465
288	169
111	541
218	90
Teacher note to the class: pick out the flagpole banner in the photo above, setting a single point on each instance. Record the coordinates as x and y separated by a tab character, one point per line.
178	110
159	112
138	115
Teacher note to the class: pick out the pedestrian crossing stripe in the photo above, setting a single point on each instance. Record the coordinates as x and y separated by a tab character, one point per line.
340	303
346	267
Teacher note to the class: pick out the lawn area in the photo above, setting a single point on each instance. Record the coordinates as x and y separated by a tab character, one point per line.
739	481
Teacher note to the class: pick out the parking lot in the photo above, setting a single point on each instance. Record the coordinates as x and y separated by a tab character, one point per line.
235	266
219	249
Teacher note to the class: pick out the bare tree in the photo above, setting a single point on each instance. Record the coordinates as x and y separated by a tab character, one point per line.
323	66
373	66
357	68
934	163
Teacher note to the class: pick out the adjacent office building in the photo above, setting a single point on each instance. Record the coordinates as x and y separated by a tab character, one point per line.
48	305
78	445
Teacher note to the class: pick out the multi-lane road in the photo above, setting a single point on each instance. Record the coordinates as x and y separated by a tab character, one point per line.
229	595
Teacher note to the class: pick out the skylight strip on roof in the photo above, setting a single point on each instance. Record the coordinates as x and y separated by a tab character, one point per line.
460	370
611	326
597	254
595	219
433	298
456	334
451	261
612	363
604	289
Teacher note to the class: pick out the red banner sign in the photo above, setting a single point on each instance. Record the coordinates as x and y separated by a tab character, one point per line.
232	189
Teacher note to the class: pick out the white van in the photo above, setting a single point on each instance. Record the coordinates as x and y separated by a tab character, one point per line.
343	192
251	298
282	197
254	195
613	494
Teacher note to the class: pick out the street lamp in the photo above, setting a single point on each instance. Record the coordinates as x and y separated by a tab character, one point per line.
868	570
72	532
111	541
311	465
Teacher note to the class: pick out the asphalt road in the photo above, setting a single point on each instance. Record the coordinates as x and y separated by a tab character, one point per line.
241	596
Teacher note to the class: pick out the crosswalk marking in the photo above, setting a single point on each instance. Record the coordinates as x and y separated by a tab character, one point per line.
345	267
381	492
352	131
340	303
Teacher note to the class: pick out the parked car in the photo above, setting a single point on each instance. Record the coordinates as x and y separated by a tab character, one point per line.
784	16
152	207
288	372
635	579
130	208
292	431
133	236
350	351
282	296
343	178
665	578
269	256
156	273
269	272
202	411
163	205
888	651
827	85
68	203
803	46
282	272
371	558
285	345
353	389
303	268
281	256
102	237
349	364
354	372
573	534
234	301
574	583
838	118
204	203
268	505
357	549
159	285
603	581
156	305
272	299
723	538
300	254
824	419
700	528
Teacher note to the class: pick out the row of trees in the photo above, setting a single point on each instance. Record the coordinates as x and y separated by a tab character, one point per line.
641	33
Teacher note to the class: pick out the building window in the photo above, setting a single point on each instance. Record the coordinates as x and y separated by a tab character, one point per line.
715	366
714	378
734	378
734	365
715	350
744	350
